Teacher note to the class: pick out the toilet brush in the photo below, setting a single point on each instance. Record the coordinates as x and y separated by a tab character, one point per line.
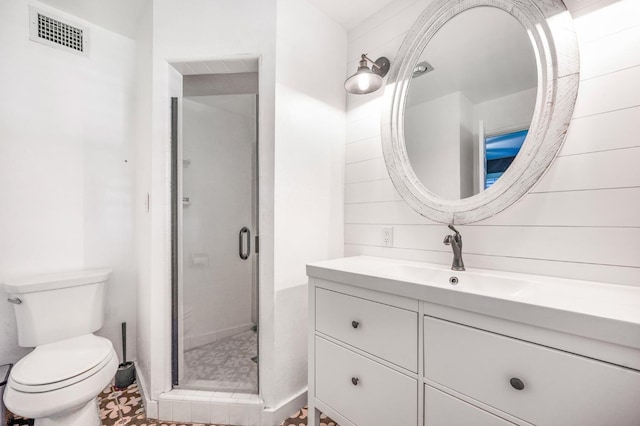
126	373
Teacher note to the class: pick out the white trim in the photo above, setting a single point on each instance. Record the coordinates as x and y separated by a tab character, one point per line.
150	406
276	415
553	38
481	172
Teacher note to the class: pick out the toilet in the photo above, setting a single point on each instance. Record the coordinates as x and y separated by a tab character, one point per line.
57	384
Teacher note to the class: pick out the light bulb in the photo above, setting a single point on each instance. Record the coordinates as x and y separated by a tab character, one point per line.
363	82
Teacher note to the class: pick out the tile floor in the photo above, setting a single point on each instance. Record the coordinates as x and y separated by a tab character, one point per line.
124	408
225	365
299	418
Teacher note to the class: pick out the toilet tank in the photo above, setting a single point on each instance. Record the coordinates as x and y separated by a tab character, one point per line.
57	306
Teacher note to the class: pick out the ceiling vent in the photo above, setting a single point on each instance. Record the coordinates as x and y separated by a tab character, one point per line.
49	29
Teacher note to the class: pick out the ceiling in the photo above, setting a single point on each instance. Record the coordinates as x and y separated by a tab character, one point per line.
349	13
122	16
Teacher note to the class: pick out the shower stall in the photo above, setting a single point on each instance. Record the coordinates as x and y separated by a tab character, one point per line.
215	234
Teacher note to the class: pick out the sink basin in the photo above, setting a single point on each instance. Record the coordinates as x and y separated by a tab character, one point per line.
414	273
467	281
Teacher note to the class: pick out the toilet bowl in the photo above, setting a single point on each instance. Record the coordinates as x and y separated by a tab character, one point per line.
59	379
57	384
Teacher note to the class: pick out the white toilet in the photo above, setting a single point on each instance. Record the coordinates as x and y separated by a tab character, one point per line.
59	381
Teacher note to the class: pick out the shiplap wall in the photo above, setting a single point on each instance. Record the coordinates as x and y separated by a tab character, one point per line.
582	219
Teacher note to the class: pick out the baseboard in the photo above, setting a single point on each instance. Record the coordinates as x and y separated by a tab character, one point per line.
275	415
150	406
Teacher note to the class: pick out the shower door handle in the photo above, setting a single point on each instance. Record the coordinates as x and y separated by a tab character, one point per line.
244	243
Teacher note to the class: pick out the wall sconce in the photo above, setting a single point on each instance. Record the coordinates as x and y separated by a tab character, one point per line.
367	80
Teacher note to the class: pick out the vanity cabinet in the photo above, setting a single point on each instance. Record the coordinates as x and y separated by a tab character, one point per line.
382	330
363	390
440	408
363	356
541	385
379	359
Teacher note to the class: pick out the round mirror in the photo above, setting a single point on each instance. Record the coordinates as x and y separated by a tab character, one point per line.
470	102
477	104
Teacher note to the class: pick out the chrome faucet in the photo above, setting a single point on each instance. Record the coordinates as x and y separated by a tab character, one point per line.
455	241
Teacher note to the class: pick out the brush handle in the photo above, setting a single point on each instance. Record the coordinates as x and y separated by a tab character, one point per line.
124	342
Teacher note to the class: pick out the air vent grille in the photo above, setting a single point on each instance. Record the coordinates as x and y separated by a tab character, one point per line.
55	31
60	33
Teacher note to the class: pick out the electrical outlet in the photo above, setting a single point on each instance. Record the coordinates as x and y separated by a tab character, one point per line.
387	237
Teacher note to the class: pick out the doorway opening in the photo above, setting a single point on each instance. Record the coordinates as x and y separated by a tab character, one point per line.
215	233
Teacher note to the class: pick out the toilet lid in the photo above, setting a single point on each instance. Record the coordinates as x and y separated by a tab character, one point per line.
61	364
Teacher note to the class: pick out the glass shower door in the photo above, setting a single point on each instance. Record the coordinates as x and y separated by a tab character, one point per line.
217	285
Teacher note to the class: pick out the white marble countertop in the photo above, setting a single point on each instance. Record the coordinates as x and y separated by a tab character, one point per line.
606	312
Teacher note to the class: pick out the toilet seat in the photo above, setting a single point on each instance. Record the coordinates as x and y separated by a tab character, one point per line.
85	388
61	364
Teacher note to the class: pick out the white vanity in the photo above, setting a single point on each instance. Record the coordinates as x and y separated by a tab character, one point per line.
407	343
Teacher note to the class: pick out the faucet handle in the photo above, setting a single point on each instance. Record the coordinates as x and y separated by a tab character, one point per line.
457	237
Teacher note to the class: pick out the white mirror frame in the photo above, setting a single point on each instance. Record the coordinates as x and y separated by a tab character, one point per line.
550	29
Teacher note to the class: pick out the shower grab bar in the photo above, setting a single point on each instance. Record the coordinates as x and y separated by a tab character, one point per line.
244	236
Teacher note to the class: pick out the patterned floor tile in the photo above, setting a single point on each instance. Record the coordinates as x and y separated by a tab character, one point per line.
226	364
299	418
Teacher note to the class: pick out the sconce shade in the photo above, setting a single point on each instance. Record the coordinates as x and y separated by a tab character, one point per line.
367	80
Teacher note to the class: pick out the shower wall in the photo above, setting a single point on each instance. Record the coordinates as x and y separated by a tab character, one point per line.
218	143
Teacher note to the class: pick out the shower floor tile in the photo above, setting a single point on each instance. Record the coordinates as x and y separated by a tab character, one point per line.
225	365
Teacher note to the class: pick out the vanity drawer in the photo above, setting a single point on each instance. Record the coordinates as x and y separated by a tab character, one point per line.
363	391
382	330
442	409
559	388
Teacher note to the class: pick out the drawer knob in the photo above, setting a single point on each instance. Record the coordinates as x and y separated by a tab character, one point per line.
355	324
355	381
516	383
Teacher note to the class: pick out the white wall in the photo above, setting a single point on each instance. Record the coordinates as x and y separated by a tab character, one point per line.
66	165
142	131
219	146
582	220
432	131
507	113
468	148
308	191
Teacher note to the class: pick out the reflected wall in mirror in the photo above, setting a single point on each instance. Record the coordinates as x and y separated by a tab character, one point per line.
467	116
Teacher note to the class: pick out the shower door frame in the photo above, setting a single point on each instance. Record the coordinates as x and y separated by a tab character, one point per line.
176	260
